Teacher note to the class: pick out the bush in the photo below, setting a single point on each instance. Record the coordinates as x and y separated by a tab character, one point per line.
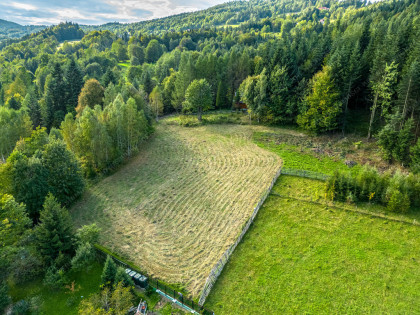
398	202
26	266
85	255
88	234
123	277
54	279
398	192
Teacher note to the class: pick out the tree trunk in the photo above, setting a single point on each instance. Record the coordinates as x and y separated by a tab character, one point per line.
199	114
405	102
372	116
346	107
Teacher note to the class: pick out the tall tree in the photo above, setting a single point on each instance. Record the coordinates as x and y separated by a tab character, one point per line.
74	84
383	91
65	178
54	233
153	51
92	94
156	101
55	98
34	110
198	97
323	104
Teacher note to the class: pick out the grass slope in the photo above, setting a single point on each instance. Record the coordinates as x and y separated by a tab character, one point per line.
176	207
299	257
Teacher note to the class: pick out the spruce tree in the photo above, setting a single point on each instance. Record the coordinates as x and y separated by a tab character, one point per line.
55	98
54	233
65	178
74	84
34	110
109	272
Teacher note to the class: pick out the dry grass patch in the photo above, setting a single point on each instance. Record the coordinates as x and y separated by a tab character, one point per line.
177	206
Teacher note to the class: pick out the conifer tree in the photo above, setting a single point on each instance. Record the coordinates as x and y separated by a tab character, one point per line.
34	110
54	233
74	84
65	178
55	98
109	272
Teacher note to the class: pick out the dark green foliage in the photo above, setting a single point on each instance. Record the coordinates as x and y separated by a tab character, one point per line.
4	296
34	110
85	255
123	277
396	140
65	178
153	51
74	84
29	178
55	98
54	233
109	272
88	234
25	266
398	192
415	156
108	78
54	278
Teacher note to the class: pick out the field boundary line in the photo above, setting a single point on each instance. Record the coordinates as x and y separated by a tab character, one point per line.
355	209
305	173
218	267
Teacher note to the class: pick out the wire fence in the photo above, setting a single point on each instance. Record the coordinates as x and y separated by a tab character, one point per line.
159	286
304	173
217	269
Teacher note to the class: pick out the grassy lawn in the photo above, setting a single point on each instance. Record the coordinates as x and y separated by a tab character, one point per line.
300	257
63	301
180	203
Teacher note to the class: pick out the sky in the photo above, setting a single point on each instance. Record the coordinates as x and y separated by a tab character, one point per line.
47	12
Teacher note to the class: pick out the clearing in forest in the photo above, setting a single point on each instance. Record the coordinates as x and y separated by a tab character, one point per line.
181	202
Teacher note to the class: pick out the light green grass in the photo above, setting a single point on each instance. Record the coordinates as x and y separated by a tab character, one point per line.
301	158
56	302
304	258
125	64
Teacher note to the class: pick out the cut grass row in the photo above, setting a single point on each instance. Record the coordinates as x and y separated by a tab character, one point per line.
300	257
176	207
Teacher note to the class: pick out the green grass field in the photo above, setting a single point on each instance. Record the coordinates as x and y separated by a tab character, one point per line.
300	257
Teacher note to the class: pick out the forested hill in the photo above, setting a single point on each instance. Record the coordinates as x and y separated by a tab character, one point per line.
13	30
228	14
313	64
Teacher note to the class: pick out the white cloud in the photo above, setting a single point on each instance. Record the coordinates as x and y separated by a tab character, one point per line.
22	6
96	11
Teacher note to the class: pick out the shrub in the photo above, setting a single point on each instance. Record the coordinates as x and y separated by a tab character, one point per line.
398	192
85	255
88	234
398	202
123	277
54	279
